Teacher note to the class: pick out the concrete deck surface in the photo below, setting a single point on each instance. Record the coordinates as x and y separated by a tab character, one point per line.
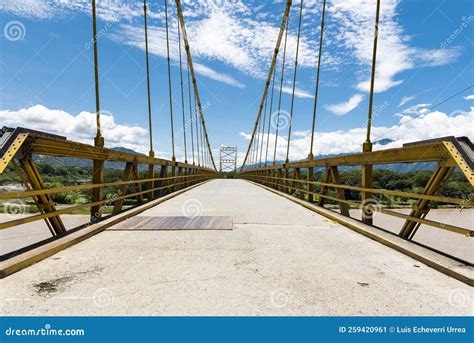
280	259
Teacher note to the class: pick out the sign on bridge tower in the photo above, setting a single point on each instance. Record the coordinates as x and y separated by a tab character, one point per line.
228	158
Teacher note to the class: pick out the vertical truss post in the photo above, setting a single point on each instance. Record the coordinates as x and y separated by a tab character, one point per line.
98	192
173	180
162	182
185	177
298	185
151	184
193	176
138	185
123	188
324	189
310	186
343	207
280	181
366	182
180	180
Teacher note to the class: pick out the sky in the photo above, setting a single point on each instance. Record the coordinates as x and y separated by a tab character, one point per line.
425	56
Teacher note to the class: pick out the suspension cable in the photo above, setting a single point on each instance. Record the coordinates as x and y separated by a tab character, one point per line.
367	145
169	80
270	116
294	83
196	91
190	112
182	94
270	72
310	155
281	92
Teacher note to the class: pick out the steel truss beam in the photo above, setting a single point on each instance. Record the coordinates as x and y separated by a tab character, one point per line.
448	152
39	143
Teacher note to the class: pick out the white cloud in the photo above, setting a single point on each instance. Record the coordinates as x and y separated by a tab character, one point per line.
345	107
405	100
300	93
354	22
243	36
469	97
415	110
227	31
28	8
409	129
133	36
79	127
212	74
112	11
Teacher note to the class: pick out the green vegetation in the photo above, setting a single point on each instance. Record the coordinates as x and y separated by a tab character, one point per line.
456	186
55	176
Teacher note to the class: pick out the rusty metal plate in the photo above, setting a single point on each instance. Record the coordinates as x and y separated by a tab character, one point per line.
142	223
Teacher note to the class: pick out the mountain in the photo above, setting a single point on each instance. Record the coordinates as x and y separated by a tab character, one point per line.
384	141
121	148
400	167
80	162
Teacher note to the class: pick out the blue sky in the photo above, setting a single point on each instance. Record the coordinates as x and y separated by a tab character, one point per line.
425	55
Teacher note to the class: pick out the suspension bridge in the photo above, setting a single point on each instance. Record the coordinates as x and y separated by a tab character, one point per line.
177	238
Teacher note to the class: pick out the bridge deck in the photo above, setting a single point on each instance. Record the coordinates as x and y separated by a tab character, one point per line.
280	259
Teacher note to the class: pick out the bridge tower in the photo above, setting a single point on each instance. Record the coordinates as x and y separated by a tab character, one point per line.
228	158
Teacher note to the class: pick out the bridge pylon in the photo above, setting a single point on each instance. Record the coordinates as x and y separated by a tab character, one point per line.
228	158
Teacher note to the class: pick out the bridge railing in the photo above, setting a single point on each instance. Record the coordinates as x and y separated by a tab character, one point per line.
19	146
297	179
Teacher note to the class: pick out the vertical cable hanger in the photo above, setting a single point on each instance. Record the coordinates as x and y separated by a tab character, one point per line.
99	140
255	145
367	146
257	141
182	94
198	149
190	112
263	131
251	147
281	92
294	83
169	80
203	157
270	116
310	155
151	153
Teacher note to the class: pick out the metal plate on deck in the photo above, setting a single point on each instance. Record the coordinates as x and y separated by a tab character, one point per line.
143	223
